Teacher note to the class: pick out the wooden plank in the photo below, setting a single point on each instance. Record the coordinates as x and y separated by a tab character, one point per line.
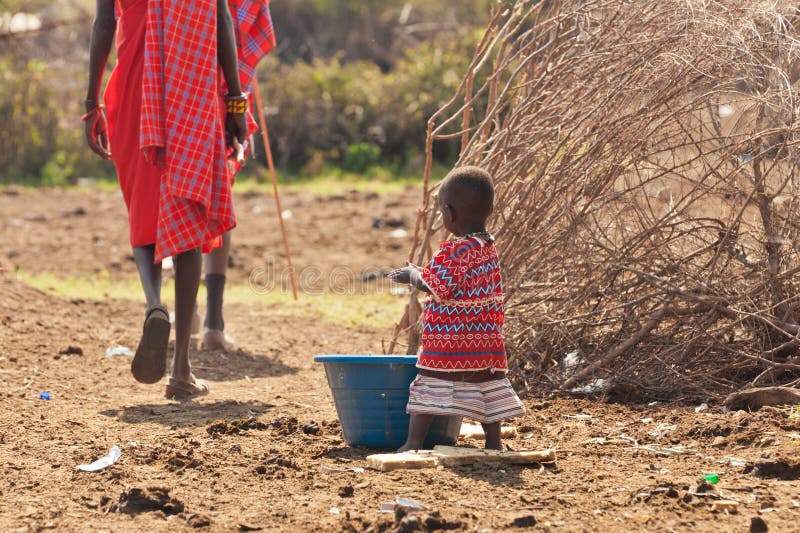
453	456
386	462
475	431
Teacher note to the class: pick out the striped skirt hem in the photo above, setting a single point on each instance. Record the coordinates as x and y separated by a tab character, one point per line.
488	402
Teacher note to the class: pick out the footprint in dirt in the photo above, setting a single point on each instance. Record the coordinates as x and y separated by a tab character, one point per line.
136	500
777	468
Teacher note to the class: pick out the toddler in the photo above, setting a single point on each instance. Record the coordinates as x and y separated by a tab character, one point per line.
462	361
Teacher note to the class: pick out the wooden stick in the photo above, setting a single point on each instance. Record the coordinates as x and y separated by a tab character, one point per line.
268	151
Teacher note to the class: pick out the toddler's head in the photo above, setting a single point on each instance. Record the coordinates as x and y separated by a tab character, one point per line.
466	199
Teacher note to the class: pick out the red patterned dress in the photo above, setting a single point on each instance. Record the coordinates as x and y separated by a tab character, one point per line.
462	334
462	324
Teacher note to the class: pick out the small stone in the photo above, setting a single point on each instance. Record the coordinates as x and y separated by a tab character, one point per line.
346	491
71	350
524	521
198	521
718	442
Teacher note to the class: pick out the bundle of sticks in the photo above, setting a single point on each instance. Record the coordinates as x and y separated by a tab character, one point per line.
645	159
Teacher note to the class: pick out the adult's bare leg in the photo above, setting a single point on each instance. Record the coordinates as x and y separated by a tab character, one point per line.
216	272
150	361
149	273
187	280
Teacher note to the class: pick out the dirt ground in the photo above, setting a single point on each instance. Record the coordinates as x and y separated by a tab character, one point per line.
258	453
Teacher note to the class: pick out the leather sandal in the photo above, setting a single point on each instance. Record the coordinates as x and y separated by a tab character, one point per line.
185	390
150	361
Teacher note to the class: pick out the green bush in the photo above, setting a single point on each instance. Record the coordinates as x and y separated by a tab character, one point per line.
41	136
325	113
360	157
339	109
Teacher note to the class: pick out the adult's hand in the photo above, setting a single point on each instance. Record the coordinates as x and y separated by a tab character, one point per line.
95	129
235	127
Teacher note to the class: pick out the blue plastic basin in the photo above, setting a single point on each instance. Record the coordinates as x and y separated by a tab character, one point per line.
371	393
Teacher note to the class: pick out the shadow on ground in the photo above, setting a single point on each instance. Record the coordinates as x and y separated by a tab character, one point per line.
188	413
216	365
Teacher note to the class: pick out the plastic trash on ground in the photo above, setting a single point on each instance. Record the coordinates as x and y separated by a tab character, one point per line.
357	470
119	351
661	430
408	505
45	395
104	462
595	386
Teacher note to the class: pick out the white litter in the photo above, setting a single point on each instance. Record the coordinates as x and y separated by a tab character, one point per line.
661	430
287	214
663	450
734	461
334	510
725	111
119	351
571	361
104	462
399	233
579	417
357	470
408	505
167	264
596	385
700	408
647	420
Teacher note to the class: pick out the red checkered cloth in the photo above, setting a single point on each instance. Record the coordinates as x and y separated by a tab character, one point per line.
255	38
182	120
255	35
181	126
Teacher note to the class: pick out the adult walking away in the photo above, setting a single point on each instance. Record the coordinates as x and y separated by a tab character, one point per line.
168	131
256	38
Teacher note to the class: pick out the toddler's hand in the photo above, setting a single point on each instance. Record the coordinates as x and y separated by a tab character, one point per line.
401	275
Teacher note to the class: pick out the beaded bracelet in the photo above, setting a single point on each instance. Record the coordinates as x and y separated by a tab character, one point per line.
236	105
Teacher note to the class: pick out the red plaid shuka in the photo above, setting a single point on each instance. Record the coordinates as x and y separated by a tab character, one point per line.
182	119
254	34
164	101
462	323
